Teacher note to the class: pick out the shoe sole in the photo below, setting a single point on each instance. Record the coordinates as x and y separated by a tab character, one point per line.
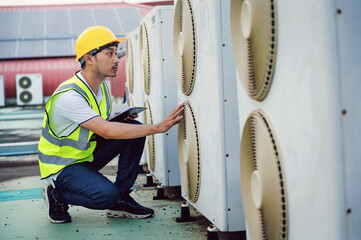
119	214
46	200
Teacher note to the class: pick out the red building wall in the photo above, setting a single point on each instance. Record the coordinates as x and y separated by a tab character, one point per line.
54	71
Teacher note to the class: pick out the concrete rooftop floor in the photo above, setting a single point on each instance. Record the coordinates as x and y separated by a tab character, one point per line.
23	213
24	216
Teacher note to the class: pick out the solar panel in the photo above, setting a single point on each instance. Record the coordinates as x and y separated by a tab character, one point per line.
7	49
60	47
51	33
130	25
107	17
9	25
80	20
31	48
128	13
57	24
32	25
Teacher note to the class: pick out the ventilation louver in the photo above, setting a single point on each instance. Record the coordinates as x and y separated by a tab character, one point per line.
145	57
263	181
254	38
189	153
129	65
149	145
184	45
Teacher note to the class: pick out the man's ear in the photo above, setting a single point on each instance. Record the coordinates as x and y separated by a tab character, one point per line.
88	59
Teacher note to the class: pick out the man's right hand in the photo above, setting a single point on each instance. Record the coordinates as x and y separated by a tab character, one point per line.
173	118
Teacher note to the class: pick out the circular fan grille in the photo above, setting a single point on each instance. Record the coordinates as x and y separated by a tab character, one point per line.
129	65
254	37
26	96
262	180
25	82
145	57
149	142
184	45
189	153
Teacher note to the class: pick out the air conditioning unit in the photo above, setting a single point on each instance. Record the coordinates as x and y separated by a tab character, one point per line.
29	89
134	81
298	94
160	88
2	91
208	135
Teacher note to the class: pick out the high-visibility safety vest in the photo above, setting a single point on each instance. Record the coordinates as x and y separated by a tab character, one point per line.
55	152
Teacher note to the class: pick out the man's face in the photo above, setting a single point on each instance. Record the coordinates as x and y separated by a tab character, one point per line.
107	62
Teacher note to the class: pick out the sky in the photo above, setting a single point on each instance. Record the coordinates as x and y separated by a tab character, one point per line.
52	2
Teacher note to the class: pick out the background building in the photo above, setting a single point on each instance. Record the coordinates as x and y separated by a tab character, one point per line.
40	39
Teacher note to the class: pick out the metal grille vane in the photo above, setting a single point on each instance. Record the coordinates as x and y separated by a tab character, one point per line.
254	38
185	45
189	153
262	180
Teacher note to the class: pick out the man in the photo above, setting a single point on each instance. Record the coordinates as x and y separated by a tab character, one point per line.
77	141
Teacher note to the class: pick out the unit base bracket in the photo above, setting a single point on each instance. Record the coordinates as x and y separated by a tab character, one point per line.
160	193
150	182
185	214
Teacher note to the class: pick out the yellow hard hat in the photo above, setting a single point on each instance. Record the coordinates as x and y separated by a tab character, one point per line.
94	38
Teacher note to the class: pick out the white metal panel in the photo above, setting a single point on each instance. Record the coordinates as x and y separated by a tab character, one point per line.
304	108
214	99
32	92
349	50
163	91
138	91
2	91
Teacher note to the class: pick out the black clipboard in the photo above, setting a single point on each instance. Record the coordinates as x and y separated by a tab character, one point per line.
127	112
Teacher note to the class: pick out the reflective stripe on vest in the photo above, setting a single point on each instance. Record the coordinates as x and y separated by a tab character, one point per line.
106	94
55	153
83	138
71	86
55	159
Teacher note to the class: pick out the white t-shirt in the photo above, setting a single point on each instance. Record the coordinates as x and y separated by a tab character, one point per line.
70	109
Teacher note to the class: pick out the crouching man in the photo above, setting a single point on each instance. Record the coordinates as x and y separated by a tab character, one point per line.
77	140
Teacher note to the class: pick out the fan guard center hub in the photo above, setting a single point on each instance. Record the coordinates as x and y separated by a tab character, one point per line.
185	151
180	43
256	189
246	19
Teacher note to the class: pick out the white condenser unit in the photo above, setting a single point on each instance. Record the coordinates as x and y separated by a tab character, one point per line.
133	74
208	135
2	91
160	88
299	68
29	89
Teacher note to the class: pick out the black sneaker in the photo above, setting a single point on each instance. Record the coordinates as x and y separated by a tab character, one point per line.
129	208
58	212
